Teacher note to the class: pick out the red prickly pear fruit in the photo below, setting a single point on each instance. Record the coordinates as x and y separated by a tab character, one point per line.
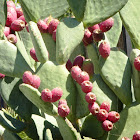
113	116
137	63
69	65
136	136
83	76
33	54
86	86
19	12
78	61
102	115
87	39
106	25
92	28
88	67
94	108
27	78
63	110
17	25
105	105
62	101
36	81
42	26
54	35
104	49
75	71
2	76
48	20
11	4
97	35
56	94
12	38
27	28
46	95
53	25
11	16
125	138
7	31
23	19
107	125
90	97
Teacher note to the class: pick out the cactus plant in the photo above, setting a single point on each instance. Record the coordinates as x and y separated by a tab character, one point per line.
112	79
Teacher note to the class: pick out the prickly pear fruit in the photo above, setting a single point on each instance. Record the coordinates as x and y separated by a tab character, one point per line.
105	105
2	76
11	4
107	125
23	19
69	65
94	108
137	63
36	81
102	115
78	61
136	136
54	35
19	12
46	95
75	71
63	110
43	27
90	97
7	31
106	25
17	25
56	94
62	101
27	78
97	35
53	25
86	86
113	116
94	27
12	38
48	20
33	54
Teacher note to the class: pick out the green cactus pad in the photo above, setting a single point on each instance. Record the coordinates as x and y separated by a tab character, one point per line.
92	53
104	93
51	46
116	72
15	99
92	127
130	18
135	76
53	75
35	10
128	123
39	45
34	96
69	35
11	60
67	130
11	123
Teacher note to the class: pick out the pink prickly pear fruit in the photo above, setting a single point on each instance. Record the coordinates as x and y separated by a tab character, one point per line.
125	138
88	67
87	39
63	110
33	54
2	76
23	19
19	12
27	78
12	38
42	26
27	28
62	101
11	4
102	115
86	86
17	25
56	94
106	25
69	65
83	76
137	63
94	108
36	81
75	71
46	95
97	35
105	105
78	61
104	49
48	20
113	116
7	31
90	97
11	16
53	25
107	125
92	28
54	35
136	136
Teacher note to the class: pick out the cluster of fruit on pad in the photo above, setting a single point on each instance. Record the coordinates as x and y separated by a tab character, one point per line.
101	112
136	136
15	22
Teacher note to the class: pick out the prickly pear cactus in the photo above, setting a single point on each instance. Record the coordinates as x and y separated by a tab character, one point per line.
63	73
